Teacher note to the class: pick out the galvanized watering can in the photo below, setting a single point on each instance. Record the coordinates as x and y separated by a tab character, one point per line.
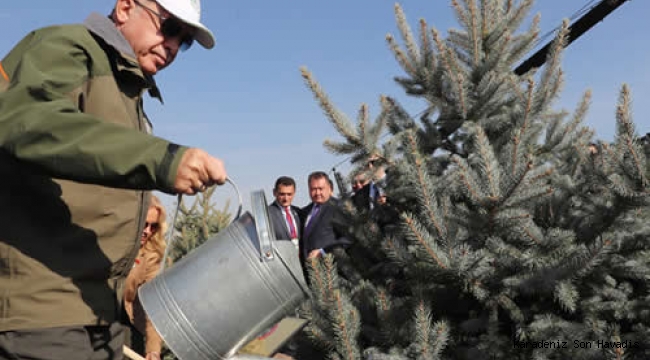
228	290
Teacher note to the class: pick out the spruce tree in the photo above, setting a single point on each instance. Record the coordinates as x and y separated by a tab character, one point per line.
197	223
514	228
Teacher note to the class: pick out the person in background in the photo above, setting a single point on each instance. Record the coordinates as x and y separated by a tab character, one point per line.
142	337
359	182
77	162
369	193
361	192
322	219
285	216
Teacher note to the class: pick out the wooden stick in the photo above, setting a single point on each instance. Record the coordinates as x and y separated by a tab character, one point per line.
131	354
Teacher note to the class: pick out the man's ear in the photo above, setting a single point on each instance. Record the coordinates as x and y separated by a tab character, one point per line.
124	10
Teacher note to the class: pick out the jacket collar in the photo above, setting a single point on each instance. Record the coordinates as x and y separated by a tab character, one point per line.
103	27
276	204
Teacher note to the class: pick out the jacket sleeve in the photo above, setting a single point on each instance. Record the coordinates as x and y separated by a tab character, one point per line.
41	125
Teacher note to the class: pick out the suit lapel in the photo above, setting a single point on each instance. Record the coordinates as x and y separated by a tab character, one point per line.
280	221
313	222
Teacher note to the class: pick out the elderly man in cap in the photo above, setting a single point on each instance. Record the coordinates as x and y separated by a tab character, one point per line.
77	162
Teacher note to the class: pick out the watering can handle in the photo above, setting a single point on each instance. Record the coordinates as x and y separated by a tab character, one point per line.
262	224
170	233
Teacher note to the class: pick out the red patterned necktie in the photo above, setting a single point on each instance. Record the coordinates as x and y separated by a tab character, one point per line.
290	221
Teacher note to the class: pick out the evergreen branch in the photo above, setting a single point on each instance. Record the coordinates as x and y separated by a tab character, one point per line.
620	187
516	15
524	125
333	356
529	230
451	69
415	232
338	119
362	119
626	132
459	81
423	329
518	219
440	338
509	6
514	86
522	198
345	333
383	302
580	113
320	337
552	71
398	119
487	10
316	277
373	133
495	58
340	148
400	56
523	44
488	164
393	251
460	42
522	192
559	137
466	180
567	295
477	289
593	257
331	273
476	38
426	48
461	14
407	34
422	181
510	255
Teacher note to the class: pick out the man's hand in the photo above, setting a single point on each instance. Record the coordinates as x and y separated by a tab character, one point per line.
153	355
314	254
197	171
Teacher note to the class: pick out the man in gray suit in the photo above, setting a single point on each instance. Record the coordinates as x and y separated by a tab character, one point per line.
284	216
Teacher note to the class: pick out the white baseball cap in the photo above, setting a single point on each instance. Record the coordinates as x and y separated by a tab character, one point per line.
189	12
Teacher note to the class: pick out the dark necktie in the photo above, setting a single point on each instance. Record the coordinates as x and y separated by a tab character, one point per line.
314	212
292	228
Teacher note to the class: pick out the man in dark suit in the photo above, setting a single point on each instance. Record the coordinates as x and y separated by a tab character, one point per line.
322	218
361	192
368	192
284	216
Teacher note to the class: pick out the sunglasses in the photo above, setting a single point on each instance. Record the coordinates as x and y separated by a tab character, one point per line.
171	27
154	226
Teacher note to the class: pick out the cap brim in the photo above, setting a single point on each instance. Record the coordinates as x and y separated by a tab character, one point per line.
190	16
203	35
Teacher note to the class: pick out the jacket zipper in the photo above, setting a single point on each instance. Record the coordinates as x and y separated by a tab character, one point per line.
134	251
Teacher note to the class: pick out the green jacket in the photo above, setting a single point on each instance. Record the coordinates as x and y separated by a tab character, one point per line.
73	151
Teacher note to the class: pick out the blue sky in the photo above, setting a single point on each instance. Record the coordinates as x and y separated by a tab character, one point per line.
245	102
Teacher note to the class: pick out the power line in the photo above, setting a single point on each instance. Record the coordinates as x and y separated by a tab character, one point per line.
588	6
